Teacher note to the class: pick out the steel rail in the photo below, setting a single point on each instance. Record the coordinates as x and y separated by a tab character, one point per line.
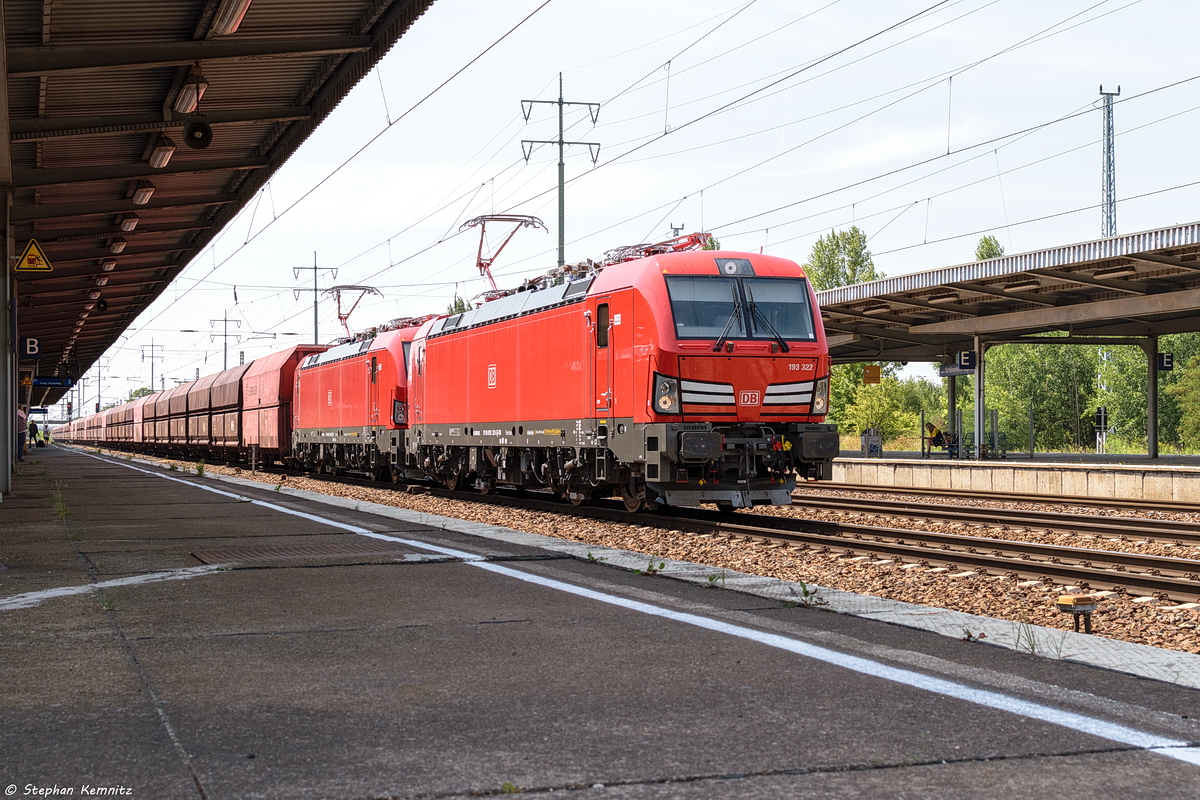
1013	497
1120	528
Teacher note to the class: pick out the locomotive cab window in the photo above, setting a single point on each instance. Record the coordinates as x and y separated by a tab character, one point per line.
602	325
780	305
714	307
374	368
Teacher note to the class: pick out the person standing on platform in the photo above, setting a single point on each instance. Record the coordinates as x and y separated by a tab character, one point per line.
22	419
34	439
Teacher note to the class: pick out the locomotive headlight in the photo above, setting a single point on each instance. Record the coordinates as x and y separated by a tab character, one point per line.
820	403
399	412
666	395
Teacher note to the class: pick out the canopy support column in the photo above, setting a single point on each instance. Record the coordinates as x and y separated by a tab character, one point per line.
979	407
1151	348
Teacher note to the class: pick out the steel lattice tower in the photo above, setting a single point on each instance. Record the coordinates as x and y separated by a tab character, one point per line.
1109	188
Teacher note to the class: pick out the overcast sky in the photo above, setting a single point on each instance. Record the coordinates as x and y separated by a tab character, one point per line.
768	123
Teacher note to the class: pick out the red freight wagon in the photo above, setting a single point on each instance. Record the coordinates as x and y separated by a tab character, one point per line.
351	406
267	388
225	424
199	412
140	417
686	377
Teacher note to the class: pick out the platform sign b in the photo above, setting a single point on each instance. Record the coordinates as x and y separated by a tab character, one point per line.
31	349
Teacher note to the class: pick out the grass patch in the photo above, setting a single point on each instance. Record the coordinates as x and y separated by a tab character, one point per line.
60	500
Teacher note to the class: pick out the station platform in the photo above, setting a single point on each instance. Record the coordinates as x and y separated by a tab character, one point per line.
1055	474
171	635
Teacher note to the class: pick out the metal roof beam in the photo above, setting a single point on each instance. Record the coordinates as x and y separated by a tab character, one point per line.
1185	301
1155	258
1131	287
41	128
47	236
35	61
983	289
26	178
100	252
34	211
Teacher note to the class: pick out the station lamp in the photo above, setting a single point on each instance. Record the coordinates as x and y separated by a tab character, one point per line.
228	17
161	155
193	88
117	245
108	264
94	295
143	193
129	222
101	280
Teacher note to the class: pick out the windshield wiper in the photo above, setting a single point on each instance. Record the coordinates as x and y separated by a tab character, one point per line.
737	309
755	316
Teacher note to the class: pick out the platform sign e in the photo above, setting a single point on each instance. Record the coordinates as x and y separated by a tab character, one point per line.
1166	361
33	259
31	349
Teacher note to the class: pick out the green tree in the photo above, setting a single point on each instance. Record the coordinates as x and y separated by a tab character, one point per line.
875	406
458	306
914	395
1123	390
988	247
141	392
841	259
1185	392
1056	382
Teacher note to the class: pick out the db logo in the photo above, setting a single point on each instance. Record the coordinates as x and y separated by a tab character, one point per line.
491	376
748	399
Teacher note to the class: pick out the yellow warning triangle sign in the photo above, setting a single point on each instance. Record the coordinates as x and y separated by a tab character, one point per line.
27	381
33	259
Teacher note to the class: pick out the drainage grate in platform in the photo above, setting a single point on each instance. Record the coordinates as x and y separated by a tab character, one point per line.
308	552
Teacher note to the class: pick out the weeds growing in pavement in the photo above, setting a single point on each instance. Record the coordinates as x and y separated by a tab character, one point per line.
973	637
508	788
715	578
171	466
806	597
200	468
651	569
595	560
279	487
60	500
1025	637
108	602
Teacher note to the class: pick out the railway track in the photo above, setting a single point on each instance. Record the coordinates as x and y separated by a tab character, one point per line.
1176	579
1113	528
1175	506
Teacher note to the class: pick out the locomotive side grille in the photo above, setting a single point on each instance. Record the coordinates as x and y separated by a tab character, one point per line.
789	394
707	394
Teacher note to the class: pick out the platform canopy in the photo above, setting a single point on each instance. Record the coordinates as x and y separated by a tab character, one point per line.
97	111
1141	285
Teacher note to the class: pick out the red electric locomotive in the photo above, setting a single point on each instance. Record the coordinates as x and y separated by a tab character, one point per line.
679	378
352	405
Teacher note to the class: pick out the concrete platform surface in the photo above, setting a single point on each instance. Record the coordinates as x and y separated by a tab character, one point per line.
345	652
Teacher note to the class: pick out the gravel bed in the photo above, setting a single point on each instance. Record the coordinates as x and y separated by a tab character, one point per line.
1118	617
